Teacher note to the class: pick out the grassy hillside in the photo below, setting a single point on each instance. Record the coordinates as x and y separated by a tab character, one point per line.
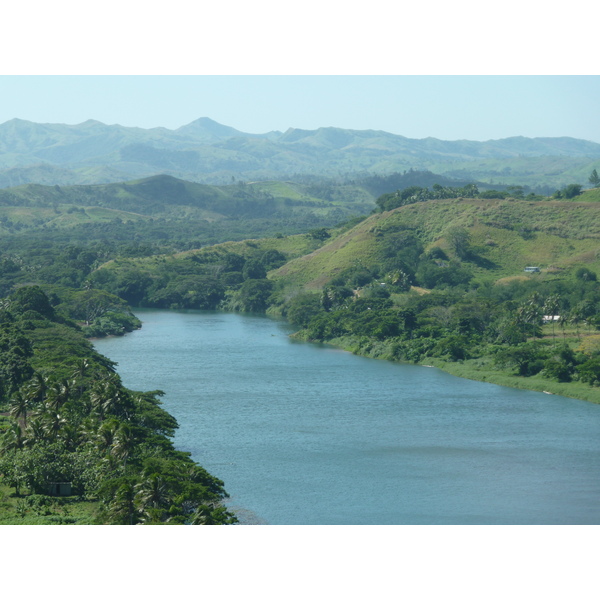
169	213
506	236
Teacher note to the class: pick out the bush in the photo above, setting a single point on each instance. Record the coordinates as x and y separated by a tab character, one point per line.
589	371
585	274
556	369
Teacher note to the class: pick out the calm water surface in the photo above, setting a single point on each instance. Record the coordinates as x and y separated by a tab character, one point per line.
305	434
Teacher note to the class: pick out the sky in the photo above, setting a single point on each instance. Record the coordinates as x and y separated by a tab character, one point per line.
460	70
449	107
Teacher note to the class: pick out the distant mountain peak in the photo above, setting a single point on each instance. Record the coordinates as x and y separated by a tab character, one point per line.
211	129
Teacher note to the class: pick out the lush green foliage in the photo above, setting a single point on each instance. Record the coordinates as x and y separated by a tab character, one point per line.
68	418
433	277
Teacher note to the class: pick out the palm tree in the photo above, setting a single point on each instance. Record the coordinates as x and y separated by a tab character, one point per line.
109	397
81	368
203	515
551	306
575	317
87	429
53	423
152	494
528	316
35	431
105	435
586	310
37	389
18	407
123	443
70	435
123	508
13	438
58	394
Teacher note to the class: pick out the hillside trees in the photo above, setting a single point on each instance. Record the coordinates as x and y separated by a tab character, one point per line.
459	240
456	323
569	191
414	193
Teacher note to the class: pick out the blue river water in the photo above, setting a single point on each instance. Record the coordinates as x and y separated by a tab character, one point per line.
306	434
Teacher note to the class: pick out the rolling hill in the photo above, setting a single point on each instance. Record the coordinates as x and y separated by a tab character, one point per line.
505	237
207	152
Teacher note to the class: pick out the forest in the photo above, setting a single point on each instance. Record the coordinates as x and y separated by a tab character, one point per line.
430	274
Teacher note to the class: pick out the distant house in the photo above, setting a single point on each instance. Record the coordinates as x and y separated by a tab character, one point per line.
550	319
532	269
61	488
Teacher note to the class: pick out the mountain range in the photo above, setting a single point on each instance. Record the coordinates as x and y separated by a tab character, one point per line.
205	151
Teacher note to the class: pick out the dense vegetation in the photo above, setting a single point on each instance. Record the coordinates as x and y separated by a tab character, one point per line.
68	419
434	275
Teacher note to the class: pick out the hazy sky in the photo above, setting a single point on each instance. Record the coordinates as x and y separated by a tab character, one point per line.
450	70
445	107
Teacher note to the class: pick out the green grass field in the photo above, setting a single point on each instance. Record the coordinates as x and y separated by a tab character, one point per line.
37	510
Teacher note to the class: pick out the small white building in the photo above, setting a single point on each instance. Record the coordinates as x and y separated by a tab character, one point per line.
532	269
550	319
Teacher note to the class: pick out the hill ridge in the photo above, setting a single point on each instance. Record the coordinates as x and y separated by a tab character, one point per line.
203	151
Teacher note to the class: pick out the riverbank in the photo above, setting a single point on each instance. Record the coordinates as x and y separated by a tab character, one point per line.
479	369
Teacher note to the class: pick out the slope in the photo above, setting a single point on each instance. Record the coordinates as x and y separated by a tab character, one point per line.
505	237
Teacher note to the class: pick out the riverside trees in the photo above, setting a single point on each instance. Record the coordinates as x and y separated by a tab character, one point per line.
501	326
68	418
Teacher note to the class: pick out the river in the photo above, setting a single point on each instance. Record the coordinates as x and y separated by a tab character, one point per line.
306	434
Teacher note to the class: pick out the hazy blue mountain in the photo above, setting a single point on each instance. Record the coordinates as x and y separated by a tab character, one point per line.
208	152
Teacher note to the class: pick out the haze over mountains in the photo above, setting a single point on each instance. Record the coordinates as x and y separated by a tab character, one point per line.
208	152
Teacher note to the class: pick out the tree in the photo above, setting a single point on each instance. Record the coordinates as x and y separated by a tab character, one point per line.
572	190
319	234
88	305
528	359
254	269
58	394
152	495
123	509
303	308
594	179
37	389
12	439
551	306
31	298
254	294
19	406
589	371
123	443
459	240
585	274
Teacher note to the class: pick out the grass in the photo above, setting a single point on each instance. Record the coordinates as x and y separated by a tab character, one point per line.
65	215
17	510
482	370
506	236
314	270
590	196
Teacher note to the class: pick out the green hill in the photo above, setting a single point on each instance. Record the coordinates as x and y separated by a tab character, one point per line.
505	237
186	210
